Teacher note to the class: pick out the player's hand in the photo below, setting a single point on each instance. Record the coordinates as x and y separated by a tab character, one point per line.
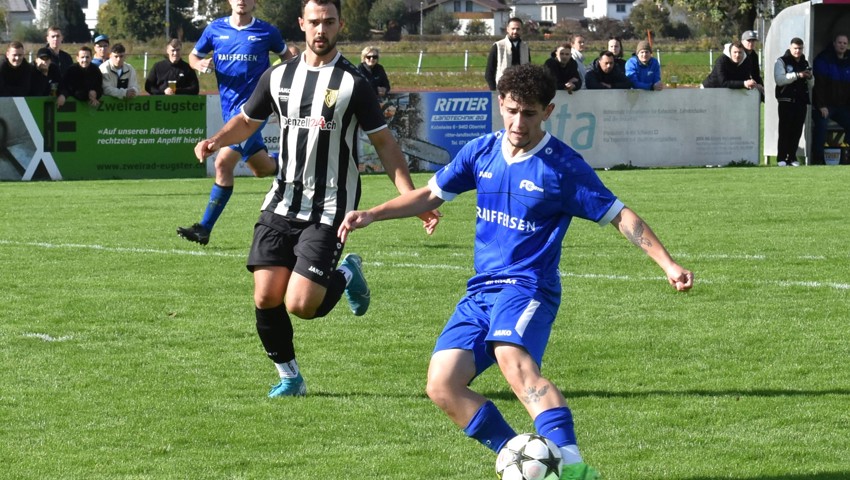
206	65
680	278
352	221
204	149
430	220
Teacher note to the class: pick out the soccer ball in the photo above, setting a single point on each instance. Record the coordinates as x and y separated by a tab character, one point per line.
529	457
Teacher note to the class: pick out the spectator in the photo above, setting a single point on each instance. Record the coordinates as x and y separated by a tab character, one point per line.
564	69
730	70
793	81
101	50
18	78
578	55
643	70
49	77
172	76
119	78
831	93
508	51
374	71
748	40
603	75
59	58
615	46
82	81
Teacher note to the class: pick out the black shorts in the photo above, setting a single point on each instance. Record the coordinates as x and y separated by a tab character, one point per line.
308	248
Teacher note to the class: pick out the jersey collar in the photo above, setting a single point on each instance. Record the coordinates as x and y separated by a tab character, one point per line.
507	147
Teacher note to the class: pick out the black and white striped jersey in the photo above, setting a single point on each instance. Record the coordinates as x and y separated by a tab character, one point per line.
320	110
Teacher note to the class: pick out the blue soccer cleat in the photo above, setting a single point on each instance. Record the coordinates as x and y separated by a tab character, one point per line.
289	387
357	291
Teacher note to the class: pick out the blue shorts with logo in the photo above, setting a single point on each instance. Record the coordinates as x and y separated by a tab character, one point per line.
252	145
510	314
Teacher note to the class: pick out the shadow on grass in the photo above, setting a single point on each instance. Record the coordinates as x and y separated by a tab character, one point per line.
507	394
807	476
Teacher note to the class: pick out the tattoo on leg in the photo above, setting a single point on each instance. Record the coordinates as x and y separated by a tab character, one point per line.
534	396
635	235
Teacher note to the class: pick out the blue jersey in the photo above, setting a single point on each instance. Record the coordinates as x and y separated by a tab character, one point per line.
525	205
241	55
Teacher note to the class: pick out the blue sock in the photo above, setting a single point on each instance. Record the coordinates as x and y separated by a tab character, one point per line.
556	424
489	427
218	200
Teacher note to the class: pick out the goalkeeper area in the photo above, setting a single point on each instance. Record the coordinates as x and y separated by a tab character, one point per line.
127	353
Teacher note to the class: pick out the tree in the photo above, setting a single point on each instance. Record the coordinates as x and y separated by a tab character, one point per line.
284	15
477	28
68	16
140	19
728	18
439	21
647	15
356	16
385	11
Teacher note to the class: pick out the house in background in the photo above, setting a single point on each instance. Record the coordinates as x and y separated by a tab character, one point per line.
493	13
549	10
613	9
17	12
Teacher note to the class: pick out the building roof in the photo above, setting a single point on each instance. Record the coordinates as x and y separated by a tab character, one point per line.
19	6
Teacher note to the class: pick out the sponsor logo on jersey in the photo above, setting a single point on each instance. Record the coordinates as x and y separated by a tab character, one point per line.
308	122
502	333
224	37
528	185
237	57
283	94
331	97
484	174
505	220
316	271
254	38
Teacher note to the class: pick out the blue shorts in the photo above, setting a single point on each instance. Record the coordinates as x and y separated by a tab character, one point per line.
252	145
510	315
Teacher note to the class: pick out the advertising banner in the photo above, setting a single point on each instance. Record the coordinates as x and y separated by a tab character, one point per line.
146	137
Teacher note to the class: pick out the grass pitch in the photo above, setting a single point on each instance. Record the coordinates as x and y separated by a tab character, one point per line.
127	352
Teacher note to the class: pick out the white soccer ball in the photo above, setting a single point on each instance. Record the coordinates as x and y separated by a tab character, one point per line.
529	457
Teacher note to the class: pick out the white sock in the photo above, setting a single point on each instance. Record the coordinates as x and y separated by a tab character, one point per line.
570	454
288	369
346	273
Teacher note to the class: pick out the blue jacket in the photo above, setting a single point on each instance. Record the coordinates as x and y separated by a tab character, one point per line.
643	76
832	79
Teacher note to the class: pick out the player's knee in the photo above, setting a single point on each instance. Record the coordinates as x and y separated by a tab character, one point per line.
300	308
264	300
439	393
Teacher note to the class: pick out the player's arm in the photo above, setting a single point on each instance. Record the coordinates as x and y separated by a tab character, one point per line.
236	130
203	65
638	232
413	203
395	165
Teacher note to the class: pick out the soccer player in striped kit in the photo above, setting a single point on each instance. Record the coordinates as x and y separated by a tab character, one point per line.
322	102
529	187
240	45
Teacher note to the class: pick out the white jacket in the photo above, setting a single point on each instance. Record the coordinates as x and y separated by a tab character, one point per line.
115	85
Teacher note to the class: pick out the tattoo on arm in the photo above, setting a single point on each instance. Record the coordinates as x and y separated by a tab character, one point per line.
534	396
635	235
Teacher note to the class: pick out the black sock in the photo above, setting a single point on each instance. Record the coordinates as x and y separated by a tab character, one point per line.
275	329
332	296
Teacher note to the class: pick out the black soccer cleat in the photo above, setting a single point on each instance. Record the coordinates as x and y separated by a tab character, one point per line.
195	233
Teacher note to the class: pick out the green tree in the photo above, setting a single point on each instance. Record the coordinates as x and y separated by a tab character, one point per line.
284	15
728	18
649	16
140	19
385	11
439	21
477	28
356	16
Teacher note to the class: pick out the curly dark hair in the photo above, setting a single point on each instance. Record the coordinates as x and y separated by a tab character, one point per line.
528	84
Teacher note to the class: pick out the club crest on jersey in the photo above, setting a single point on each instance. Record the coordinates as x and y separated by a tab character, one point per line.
331	97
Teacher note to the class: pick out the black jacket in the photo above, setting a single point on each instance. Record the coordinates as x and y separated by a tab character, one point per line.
595	77
377	77
562	73
798	91
728	74
163	71
78	82
22	81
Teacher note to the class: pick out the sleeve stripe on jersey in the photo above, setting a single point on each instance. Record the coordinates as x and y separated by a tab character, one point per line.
612	212
436	190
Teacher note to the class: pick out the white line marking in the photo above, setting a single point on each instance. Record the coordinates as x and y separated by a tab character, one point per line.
46	337
587	276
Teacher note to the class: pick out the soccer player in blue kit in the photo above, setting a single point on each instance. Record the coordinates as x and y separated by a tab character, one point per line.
529	187
240	44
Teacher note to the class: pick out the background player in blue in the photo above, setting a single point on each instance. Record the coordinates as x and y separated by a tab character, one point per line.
530	185
240	45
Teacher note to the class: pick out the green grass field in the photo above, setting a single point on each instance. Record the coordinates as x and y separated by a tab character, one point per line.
128	353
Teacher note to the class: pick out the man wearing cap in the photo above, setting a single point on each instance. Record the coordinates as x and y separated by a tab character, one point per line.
60	58
101	50
17	76
49	75
643	70
751	61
